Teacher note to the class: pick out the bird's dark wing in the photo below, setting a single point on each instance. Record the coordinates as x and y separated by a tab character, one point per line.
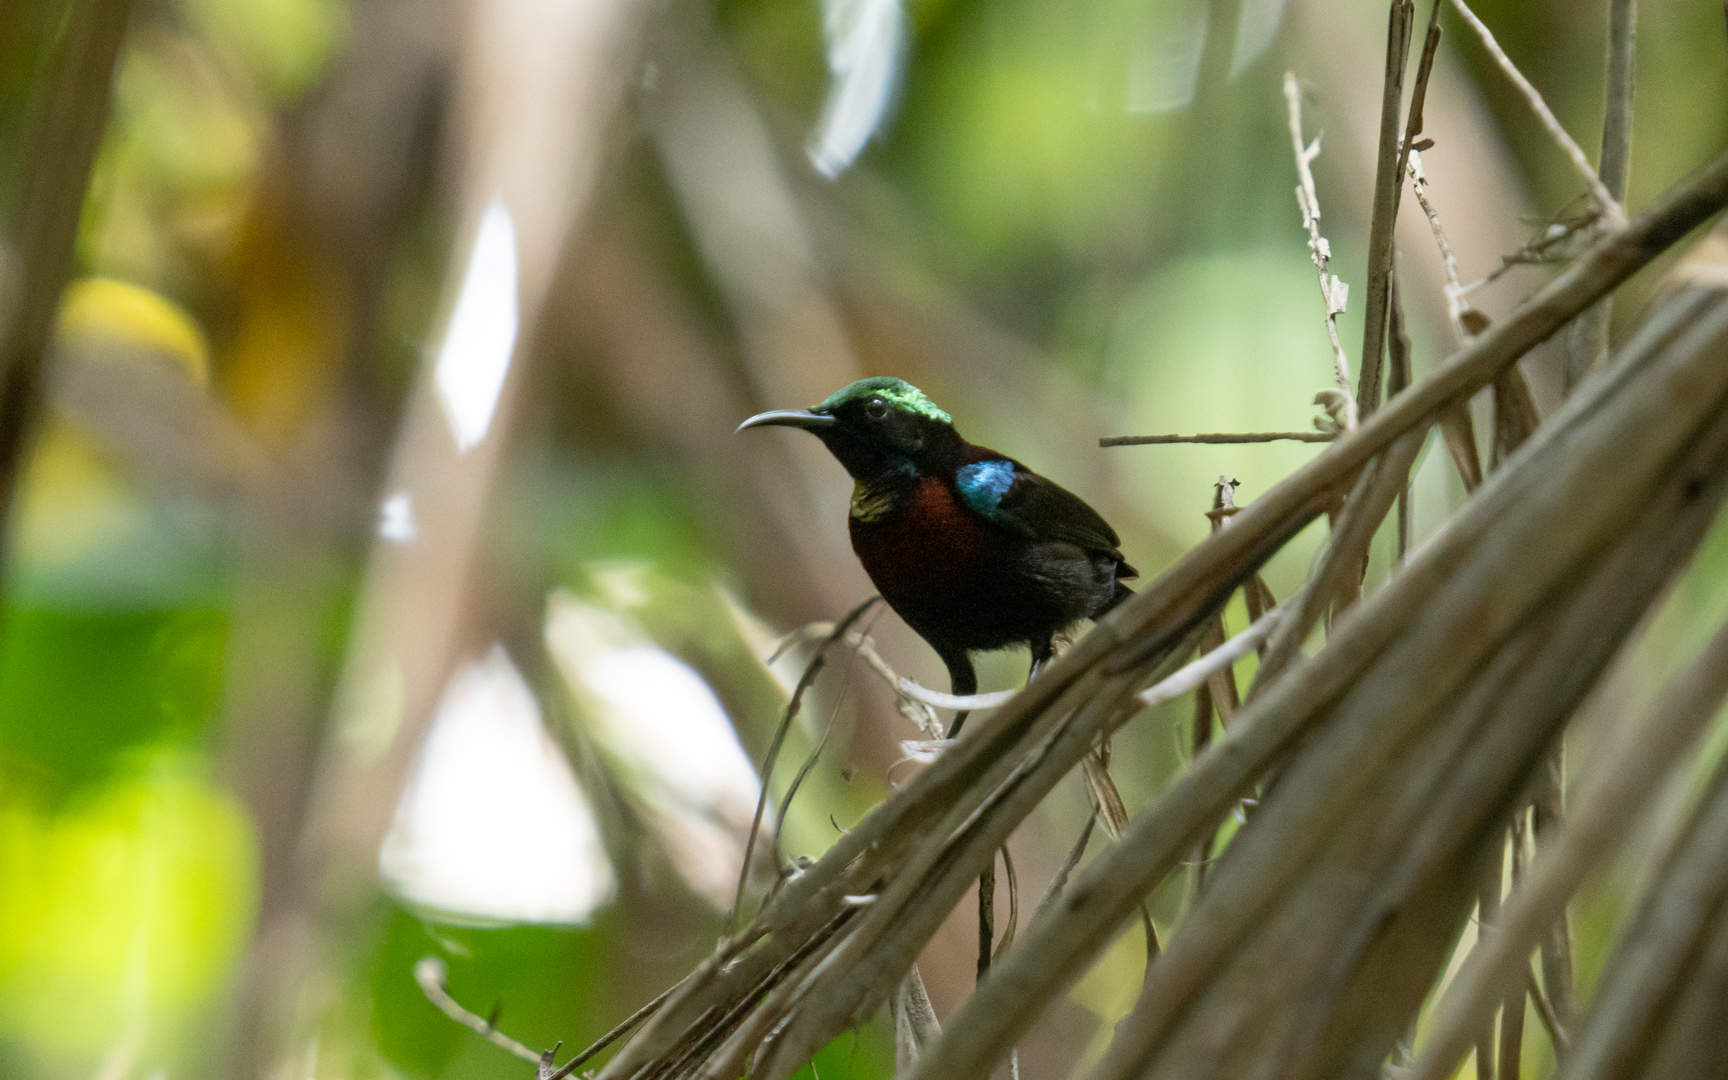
1017	498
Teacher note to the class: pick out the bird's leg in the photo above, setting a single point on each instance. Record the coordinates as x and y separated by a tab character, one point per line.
962	682
1041	653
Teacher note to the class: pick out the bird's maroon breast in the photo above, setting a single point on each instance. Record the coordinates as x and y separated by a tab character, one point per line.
925	552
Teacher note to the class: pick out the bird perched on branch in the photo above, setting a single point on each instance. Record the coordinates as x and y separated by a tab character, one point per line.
972	549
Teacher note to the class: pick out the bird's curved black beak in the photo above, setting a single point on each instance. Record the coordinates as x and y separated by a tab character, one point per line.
798	418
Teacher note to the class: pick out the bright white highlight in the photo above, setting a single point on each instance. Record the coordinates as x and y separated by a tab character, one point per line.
396	519
492	824
660	723
866	52
482	335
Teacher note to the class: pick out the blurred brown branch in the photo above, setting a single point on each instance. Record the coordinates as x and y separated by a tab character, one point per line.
58	153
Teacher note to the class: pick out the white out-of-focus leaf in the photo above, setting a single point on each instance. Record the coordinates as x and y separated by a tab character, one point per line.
662	724
492	824
396	519
866	43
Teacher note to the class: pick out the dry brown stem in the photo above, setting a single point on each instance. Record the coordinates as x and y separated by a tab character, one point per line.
1388	181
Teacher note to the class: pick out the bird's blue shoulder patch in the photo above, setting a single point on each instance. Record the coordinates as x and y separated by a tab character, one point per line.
983	484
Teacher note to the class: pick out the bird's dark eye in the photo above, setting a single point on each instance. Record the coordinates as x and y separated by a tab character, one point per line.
875	408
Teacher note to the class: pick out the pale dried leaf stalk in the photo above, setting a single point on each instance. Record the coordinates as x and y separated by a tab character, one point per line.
1340	404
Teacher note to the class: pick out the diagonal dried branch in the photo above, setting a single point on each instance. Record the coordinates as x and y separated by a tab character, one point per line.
1657	1007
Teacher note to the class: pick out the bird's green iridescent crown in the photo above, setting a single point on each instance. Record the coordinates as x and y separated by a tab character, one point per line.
896	392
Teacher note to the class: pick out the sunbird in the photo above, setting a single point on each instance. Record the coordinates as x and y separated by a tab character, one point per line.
972	549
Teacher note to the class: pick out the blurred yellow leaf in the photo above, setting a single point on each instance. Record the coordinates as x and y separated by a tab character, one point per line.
104	312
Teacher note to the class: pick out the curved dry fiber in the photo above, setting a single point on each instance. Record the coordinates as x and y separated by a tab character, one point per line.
1332	913
1519	513
1659	1010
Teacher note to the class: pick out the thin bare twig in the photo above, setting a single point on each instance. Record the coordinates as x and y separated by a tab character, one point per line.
1398	378
1191	676
1548	247
429	972
804	683
1075	854
1512	1009
623	1028
1413	123
1467	323
1456	308
1221	437
1387	183
1333	291
1610	207
1557	1036
1587	343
